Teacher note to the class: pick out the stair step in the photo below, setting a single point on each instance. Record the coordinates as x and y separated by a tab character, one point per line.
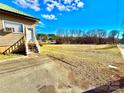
10	39
2	49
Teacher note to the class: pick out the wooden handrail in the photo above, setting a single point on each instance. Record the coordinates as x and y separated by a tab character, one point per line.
15	45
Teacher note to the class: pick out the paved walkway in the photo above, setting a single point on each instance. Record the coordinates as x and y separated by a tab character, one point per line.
121	47
23	63
36	75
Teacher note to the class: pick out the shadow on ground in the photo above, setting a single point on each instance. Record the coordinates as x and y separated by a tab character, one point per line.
109	87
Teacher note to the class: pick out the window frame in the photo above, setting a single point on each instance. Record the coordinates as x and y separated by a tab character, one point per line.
22	25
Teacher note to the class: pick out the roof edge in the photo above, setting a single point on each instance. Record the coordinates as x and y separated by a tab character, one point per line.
33	18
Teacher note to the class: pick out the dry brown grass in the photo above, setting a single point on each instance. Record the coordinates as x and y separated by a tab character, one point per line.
10	56
4	57
92	61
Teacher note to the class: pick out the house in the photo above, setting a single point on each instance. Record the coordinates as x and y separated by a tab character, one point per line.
17	31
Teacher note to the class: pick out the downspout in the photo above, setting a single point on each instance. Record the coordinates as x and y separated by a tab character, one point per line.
26	42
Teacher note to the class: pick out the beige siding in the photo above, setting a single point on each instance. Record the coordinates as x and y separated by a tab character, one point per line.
27	23
11	17
1	26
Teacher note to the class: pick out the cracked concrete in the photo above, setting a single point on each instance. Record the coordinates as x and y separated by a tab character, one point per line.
46	77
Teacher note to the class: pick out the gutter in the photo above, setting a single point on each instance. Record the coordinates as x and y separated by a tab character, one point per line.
26	16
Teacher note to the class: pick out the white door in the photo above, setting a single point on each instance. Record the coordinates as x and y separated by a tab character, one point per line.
30	36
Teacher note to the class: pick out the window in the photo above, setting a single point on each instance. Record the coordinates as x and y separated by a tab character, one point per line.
13	26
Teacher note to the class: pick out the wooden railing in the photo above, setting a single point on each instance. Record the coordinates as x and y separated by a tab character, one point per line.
14	46
9	29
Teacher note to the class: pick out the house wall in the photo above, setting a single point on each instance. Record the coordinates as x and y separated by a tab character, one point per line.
27	23
1	26
20	19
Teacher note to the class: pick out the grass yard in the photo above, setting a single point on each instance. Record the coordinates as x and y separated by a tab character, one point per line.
91	61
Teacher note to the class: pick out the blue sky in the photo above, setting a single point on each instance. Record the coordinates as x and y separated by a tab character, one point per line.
72	14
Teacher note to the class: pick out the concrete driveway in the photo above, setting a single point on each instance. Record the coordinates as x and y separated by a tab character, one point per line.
35	75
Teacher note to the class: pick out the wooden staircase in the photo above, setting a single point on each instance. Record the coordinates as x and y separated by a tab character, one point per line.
12	42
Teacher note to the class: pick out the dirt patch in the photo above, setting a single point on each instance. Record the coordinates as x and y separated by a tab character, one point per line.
50	77
47	89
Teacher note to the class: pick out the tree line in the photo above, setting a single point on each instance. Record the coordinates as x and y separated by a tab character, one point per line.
44	37
94	36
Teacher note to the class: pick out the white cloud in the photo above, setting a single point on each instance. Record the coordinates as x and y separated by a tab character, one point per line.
63	5
40	24
68	1
50	7
33	4
49	17
80	4
63	8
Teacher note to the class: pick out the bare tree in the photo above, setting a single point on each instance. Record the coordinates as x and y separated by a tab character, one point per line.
101	33
114	35
94	36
